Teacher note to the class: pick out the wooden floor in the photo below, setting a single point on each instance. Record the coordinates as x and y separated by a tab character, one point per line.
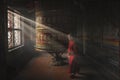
41	68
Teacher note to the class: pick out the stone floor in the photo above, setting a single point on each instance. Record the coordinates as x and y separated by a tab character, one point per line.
41	68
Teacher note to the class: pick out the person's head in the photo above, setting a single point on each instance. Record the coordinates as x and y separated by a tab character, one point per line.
70	37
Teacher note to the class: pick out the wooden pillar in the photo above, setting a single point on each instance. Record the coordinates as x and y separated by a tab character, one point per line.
3	38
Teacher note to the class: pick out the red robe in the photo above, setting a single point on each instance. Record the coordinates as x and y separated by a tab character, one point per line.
71	49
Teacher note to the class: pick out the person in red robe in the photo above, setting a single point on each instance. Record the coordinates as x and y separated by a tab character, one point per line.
72	54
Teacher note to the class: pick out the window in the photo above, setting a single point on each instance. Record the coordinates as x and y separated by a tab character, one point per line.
14	30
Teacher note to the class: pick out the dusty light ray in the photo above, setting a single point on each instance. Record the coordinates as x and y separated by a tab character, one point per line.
33	30
44	26
28	27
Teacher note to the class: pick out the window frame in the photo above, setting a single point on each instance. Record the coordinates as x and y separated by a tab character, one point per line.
13	29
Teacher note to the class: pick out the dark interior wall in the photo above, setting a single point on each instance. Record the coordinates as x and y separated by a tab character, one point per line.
61	20
3	38
102	31
59	15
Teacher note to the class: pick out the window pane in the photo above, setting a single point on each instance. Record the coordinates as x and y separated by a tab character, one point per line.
17	37
10	39
16	21
10	19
